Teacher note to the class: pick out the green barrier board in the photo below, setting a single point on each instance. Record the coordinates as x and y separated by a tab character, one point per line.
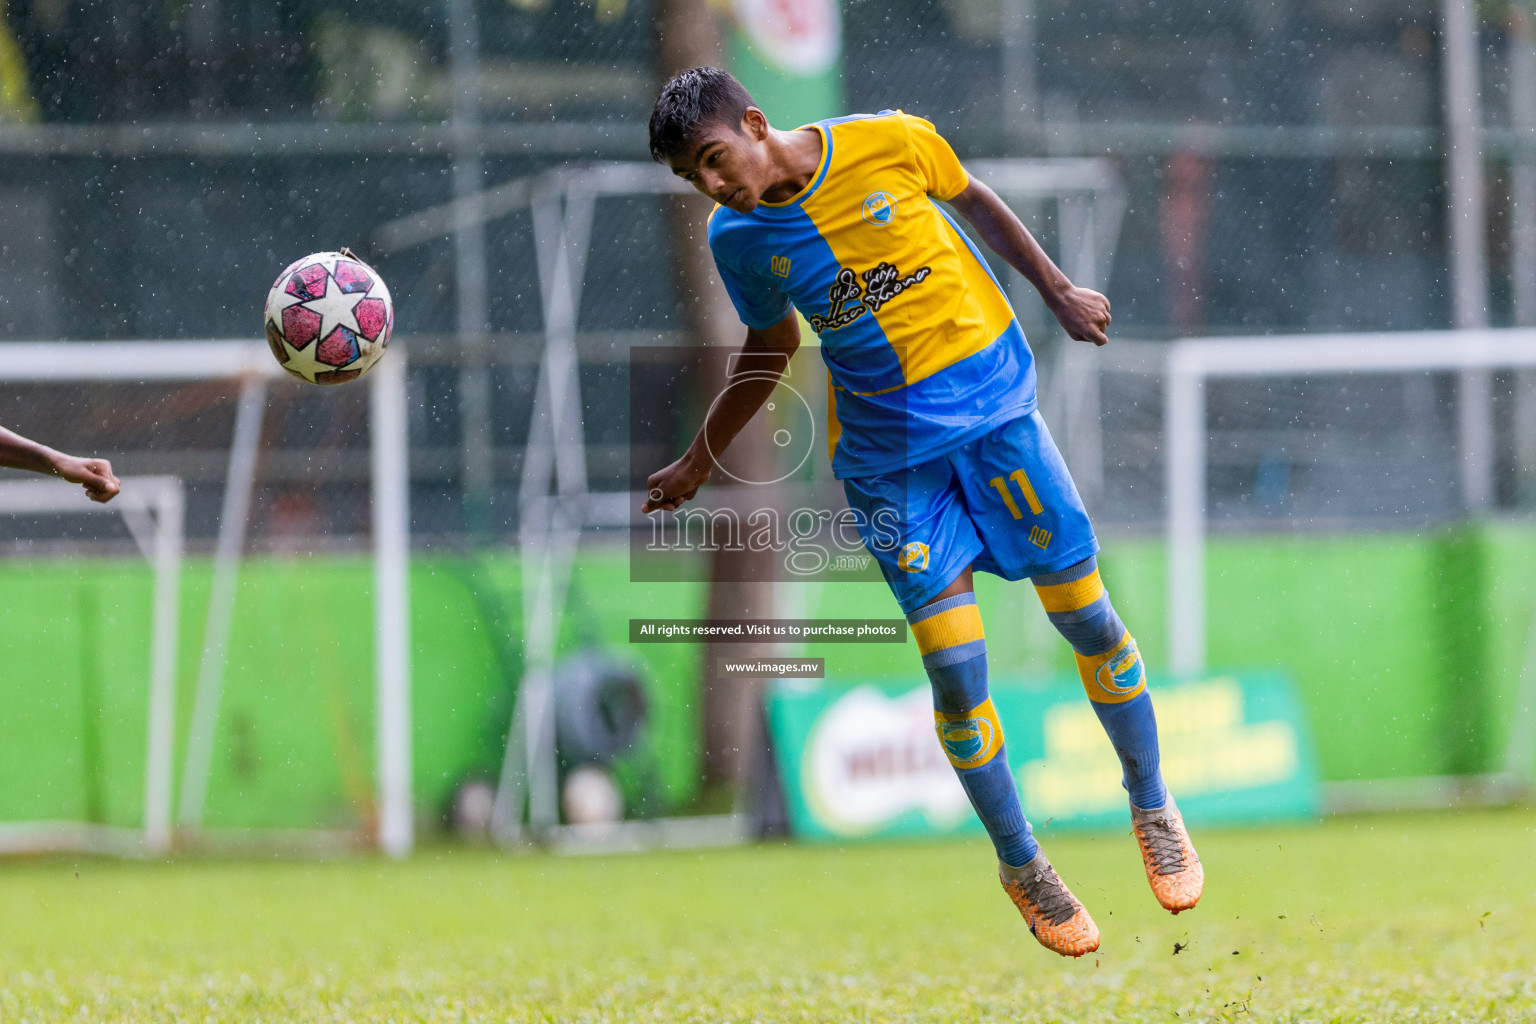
863	761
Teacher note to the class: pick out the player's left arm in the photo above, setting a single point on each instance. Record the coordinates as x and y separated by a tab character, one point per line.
670	487
95	475
1083	312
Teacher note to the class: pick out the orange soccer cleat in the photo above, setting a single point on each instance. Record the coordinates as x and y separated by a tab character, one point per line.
1173	866
1053	914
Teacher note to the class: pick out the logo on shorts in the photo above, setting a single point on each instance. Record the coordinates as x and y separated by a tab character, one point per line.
779	265
1122	674
879	208
966	740
1039	538
913	557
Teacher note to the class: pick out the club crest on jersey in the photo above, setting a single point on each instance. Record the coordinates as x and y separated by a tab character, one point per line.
879	208
1122	674
849	300
913	557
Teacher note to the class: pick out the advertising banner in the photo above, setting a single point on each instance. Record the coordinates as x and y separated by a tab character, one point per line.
789	55
863	760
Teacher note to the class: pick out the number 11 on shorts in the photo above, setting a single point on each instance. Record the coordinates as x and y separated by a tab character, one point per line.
1018	477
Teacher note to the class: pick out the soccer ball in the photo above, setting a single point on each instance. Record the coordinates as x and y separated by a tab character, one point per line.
329	317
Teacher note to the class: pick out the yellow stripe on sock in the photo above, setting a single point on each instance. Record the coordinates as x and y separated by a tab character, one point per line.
1069	597
947	629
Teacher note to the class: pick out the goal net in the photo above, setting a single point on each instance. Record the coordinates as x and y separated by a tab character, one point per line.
220	654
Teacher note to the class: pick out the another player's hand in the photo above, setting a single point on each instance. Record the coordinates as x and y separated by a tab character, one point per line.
669	488
95	475
1084	313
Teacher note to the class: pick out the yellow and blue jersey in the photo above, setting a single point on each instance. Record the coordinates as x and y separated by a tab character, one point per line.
922	347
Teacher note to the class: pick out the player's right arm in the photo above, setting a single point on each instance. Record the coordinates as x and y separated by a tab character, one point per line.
95	475
670	487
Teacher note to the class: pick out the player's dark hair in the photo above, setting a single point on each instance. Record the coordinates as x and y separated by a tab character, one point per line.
691	102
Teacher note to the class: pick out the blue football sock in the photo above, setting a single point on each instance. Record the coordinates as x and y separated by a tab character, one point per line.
1110	667
1132	728
954	651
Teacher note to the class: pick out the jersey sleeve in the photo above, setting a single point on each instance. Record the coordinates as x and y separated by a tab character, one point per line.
758	301
936	161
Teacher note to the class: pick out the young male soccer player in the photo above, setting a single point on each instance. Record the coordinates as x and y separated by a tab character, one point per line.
95	475
933	424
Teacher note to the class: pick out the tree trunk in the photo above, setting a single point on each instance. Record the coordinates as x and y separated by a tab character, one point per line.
688	35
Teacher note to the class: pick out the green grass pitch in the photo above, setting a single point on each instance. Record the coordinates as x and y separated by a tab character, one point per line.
1402	918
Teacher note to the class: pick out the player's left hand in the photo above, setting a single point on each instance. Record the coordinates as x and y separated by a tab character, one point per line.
1084	314
95	475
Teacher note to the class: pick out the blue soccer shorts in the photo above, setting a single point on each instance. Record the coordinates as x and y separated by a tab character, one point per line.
1003	503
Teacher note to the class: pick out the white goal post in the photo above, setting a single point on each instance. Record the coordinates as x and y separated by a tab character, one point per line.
152	507
1186	366
251	363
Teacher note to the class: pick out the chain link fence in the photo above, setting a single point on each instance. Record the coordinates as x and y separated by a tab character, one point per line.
1283	163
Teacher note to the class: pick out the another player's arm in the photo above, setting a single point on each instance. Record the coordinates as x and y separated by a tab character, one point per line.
95	475
670	487
1083	312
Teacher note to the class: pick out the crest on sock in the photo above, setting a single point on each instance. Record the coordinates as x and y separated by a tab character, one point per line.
1122	673
1120	676
970	740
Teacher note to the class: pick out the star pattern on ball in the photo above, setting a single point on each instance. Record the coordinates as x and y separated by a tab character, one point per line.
336	309
302	361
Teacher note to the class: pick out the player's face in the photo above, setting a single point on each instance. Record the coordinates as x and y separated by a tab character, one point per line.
728	165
